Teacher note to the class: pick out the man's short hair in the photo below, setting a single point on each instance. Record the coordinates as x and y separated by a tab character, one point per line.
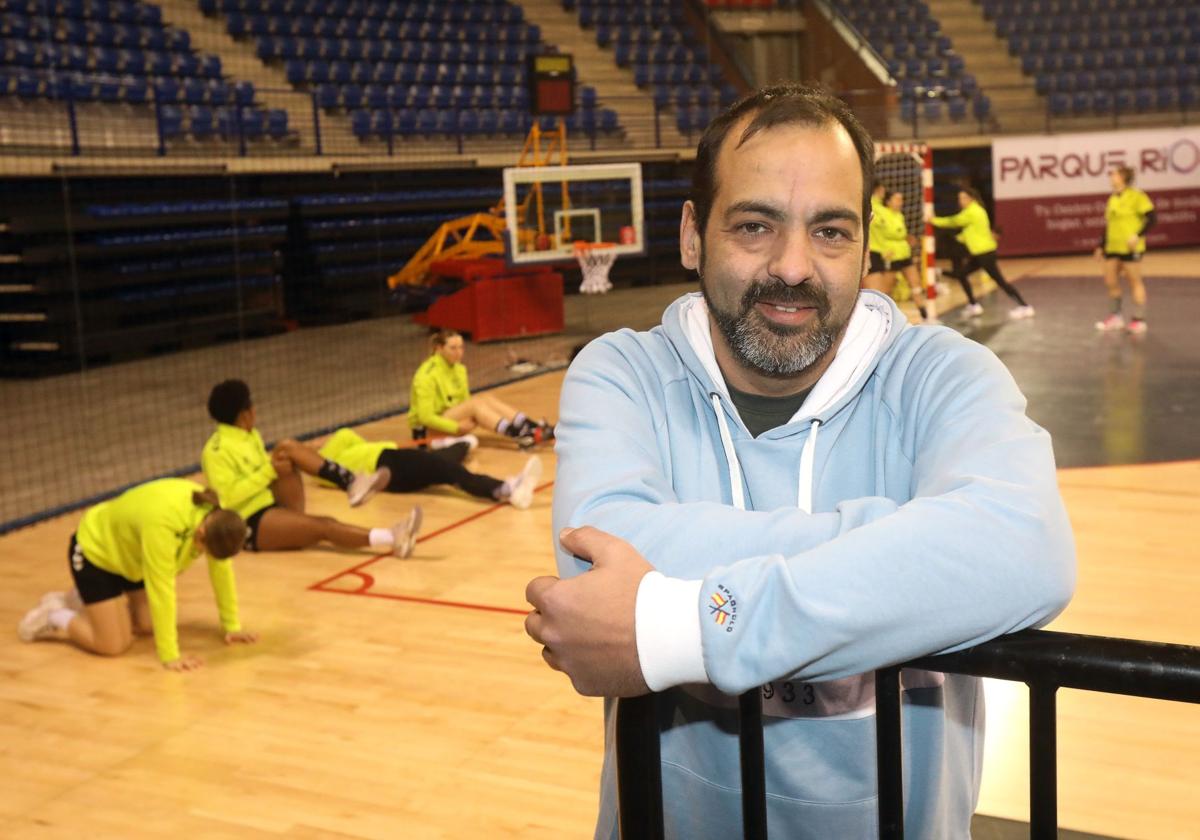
227	400
788	104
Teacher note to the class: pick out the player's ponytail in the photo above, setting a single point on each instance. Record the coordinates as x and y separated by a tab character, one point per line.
207	496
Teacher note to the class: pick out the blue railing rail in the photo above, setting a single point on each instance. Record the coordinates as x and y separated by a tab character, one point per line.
1044	660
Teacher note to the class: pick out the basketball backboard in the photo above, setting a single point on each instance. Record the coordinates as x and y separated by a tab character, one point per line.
549	208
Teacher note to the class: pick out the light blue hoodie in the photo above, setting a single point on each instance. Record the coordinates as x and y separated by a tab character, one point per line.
909	507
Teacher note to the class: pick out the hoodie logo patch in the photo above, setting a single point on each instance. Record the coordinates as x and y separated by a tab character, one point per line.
723	608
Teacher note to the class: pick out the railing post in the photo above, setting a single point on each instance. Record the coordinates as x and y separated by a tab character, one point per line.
73	122
639	769
241	131
753	758
1043	762
316	124
657	128
888	755
158	126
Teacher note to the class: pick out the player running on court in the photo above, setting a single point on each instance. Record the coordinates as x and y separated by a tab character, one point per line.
896	243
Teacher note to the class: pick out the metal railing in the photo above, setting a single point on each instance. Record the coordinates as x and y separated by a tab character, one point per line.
1044	660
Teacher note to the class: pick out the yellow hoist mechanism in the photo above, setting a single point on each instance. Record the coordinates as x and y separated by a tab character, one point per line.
482	234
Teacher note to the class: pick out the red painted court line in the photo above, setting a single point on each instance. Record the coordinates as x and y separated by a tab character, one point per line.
368	581
464	605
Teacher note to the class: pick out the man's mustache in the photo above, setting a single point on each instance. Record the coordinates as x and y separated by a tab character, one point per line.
780	293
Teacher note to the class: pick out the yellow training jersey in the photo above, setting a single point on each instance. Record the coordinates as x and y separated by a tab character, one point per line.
878	208
148	534
437	386
894	231
1124	216
976	231
238	468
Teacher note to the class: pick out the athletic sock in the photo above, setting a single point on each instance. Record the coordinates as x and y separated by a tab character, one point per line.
503	426
1139	312
1116	305
381	538
520	420
61	617
336	474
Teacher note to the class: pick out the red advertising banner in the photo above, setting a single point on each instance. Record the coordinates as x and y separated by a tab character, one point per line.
1051	191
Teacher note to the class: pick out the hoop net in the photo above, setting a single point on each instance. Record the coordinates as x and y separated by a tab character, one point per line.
595	259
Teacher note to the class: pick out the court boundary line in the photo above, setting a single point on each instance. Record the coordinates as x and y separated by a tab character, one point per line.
368	581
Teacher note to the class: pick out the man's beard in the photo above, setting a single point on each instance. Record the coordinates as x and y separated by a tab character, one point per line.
774	349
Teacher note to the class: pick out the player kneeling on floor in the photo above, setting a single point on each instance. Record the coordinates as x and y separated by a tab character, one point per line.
124	560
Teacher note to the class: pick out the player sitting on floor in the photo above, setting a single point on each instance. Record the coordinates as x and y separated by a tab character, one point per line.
441	400
268	491
416	469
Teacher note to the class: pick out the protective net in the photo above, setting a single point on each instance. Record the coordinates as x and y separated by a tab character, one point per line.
123	300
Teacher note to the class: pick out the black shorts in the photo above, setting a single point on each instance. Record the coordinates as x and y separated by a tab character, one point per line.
96	584
898	265
1123	257
878	263
252	521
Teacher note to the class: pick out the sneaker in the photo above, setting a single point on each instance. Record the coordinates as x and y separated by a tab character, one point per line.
56	600
471	441
973	310
1112	322
366	485
36	625
405	533
1137	326
522	485
1019	312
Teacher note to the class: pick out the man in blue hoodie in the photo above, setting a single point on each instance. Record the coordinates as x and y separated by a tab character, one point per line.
785	485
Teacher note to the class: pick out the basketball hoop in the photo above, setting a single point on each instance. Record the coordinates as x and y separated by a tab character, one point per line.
595	259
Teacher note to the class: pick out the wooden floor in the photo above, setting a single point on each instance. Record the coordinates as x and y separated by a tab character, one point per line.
393	699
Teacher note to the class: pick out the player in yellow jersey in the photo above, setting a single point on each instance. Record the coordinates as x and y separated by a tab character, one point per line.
124	560
1127	216
441	400
268	491
878	277
897	243
416	469
975	233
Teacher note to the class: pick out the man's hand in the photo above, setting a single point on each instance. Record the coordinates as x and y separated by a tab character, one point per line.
184	663
586	624
241	637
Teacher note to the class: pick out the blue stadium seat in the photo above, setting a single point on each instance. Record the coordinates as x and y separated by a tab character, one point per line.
170	121
277	123
202	123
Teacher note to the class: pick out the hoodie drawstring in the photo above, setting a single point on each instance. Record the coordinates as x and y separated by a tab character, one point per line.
804	492
735	469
